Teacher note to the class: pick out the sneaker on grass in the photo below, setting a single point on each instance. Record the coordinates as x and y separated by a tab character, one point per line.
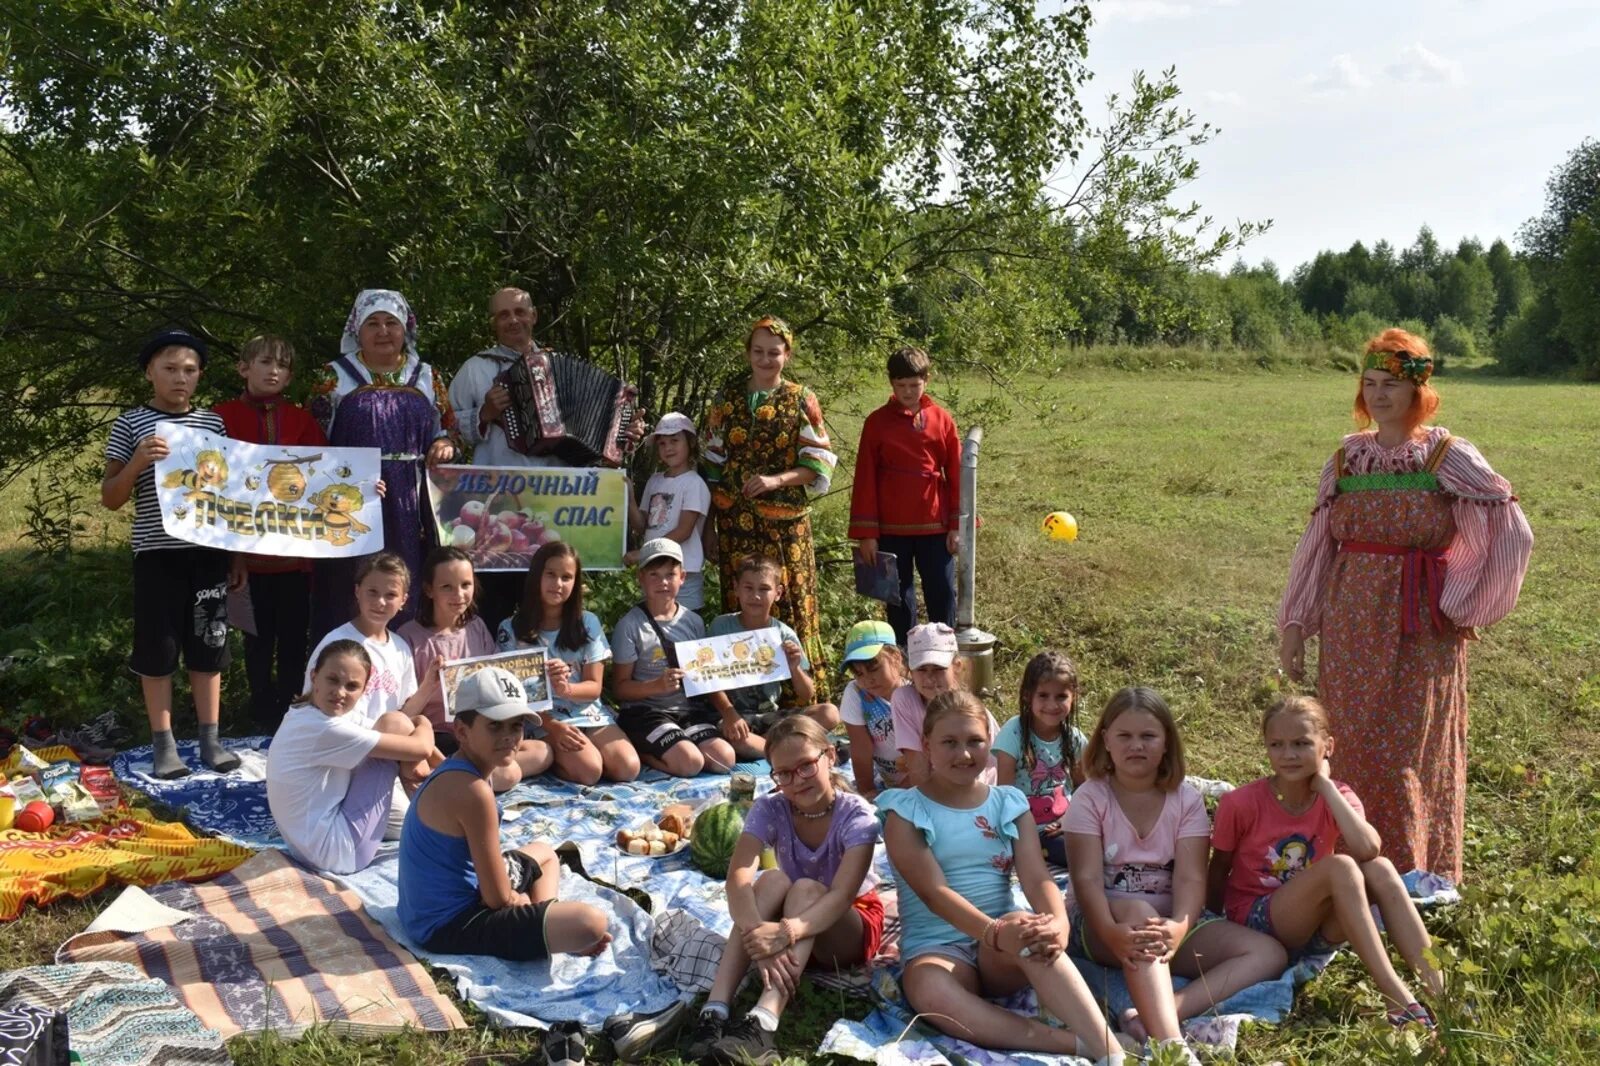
633	1035
564	1045
745	1043
708	1029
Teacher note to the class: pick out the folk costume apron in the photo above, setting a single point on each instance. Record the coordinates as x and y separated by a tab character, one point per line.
400	420
1393	672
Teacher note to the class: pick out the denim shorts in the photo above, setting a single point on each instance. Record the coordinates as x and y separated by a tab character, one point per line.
962	951
1260	919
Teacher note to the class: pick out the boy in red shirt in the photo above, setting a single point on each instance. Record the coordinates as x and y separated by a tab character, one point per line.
280	587
906	498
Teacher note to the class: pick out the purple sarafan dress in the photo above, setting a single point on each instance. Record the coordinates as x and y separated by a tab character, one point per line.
401	414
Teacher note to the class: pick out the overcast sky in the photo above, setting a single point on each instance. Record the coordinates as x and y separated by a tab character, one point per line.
1356	119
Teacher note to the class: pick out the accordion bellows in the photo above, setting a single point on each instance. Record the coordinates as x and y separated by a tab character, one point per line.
569	409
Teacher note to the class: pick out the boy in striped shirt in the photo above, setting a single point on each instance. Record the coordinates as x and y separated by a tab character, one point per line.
180	590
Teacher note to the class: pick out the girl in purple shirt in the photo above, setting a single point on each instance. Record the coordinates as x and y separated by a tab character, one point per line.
819	907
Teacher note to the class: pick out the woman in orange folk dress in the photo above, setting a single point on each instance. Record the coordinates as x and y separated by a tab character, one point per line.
1414	543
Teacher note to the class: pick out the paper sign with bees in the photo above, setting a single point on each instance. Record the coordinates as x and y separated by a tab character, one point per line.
733	660
307	502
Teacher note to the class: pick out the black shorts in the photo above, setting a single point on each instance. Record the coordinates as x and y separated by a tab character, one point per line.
180	602
761	722
653	731
515	933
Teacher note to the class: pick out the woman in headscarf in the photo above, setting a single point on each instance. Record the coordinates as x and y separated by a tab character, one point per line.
380	394
1415	542
765	453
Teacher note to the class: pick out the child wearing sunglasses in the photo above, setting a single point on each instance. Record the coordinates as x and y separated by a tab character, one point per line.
819	908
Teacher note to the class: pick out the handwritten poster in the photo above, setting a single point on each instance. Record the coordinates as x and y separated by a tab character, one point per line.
733	660
307	502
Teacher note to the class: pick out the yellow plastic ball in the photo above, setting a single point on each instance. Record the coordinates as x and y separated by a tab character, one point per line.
1059	525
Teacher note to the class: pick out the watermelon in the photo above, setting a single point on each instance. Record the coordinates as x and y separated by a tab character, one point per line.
711	840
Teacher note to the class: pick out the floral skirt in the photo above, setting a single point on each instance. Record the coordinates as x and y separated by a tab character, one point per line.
1398	705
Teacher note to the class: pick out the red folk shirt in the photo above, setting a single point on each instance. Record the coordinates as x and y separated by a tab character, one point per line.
908	480
272	420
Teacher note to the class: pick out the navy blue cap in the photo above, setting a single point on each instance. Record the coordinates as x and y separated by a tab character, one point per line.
167	339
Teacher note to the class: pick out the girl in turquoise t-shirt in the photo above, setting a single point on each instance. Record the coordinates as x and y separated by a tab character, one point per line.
951	840
581	730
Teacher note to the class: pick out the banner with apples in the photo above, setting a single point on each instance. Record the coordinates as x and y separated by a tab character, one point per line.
501	515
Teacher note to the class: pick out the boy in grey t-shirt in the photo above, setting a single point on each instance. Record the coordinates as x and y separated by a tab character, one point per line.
678	734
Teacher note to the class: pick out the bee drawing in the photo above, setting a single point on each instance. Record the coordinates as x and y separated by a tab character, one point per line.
210	474
339	504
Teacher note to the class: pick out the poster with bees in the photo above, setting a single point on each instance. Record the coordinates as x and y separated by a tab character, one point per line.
733	660
501	515
307	502
526	665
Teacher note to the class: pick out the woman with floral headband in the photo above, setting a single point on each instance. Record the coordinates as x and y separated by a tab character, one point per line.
765	453
1414	543
380	394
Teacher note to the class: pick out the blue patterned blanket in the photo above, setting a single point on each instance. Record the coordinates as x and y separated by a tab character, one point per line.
565	988
558	812
231	805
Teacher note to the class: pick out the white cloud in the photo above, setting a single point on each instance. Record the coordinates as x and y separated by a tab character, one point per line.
1421	65
1342	75
1152	10
1225	99
1140	10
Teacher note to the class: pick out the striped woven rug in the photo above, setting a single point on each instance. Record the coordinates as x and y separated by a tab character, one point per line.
274	947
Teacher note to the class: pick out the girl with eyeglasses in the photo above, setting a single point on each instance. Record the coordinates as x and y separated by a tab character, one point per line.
818	908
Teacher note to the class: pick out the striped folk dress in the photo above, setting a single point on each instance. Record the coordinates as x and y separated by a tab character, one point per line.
1409	550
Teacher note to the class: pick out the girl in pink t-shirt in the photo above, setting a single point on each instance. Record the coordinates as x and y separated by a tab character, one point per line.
1274	868
447	626
1137	844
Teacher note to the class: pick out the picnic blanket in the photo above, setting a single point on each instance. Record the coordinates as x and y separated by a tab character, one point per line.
271	946
556	812
116	1015
131	847
232	805
889	1036
535	994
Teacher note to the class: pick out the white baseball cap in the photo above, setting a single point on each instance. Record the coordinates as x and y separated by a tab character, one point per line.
673	422
494	693
933	644
652	550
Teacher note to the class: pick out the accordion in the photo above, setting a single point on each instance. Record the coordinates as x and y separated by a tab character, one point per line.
567	408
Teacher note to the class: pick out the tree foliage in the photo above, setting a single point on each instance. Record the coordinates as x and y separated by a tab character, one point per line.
657	173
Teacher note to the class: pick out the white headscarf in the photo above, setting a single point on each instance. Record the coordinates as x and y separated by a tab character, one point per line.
369	303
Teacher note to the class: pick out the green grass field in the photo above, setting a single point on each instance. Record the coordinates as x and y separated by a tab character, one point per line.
1190	488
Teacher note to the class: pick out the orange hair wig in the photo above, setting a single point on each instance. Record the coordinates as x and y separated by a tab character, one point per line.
1424	401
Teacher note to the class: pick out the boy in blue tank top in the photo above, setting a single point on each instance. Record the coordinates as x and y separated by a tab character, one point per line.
459	894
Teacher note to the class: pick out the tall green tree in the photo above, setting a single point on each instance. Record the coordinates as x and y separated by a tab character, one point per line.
1466	292
657	173
1513	286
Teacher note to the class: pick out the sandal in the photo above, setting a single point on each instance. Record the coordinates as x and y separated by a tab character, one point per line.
1413	1014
